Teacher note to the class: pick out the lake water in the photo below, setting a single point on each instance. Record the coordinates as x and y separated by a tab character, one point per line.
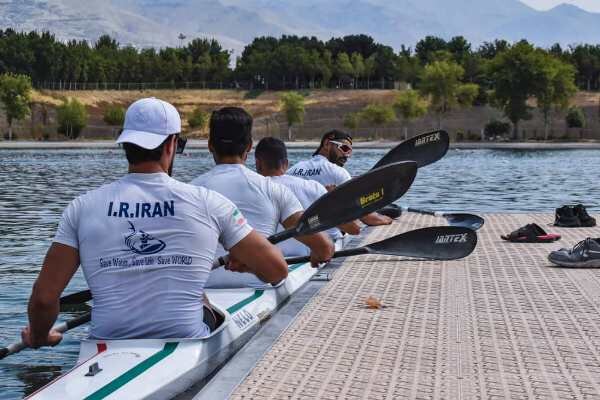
35	186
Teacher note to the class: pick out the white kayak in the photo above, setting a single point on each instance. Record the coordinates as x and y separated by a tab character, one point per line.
163	368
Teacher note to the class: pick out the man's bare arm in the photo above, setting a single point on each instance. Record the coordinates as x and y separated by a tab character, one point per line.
321	246
255	254
58	268
351	228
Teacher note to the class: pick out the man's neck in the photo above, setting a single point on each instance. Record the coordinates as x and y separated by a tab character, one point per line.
273	172
230	160
323	154
147	167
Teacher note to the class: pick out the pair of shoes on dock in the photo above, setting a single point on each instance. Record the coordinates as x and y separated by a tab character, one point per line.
531	233
573	216
585	254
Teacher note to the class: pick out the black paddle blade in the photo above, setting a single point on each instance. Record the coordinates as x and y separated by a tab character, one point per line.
358	197
76	298
465	220
423	149
438	243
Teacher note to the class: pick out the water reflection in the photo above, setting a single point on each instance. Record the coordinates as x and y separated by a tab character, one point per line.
36	186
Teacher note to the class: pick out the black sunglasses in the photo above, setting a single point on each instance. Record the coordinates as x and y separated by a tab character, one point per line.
181	142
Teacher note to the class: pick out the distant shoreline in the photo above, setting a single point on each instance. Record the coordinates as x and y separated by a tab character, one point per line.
203	144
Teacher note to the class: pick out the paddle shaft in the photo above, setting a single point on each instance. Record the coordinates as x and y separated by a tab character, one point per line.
341	253
426	212
471	221
61	327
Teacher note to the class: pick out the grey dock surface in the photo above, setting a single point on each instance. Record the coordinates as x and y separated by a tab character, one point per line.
502	323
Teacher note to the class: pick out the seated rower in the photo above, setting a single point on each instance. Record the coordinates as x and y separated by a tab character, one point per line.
146	243
272	161
265	203
326	167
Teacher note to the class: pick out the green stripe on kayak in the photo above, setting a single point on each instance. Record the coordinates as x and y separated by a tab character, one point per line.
248	300
294	267
257	293
133	373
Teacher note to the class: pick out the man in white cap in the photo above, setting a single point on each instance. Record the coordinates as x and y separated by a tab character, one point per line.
146	243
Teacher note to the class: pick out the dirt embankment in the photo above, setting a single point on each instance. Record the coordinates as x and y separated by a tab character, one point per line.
325	109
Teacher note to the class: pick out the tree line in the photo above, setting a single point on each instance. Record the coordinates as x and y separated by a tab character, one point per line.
444	74
288	62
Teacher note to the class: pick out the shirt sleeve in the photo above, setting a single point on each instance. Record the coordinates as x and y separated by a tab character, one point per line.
232	225
342	176
318	189
68	226
287	203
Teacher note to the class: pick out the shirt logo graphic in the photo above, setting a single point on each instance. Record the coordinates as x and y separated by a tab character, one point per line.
238	218
141	242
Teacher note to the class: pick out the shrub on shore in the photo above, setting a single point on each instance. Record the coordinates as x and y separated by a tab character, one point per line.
575	118
114	115
496	128
72	118
198	119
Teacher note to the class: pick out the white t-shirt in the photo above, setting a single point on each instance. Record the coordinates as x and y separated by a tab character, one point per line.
307	192
263	202
320	169
146	244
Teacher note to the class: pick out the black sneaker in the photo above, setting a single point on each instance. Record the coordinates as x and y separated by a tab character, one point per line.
584	217
584	254
565	216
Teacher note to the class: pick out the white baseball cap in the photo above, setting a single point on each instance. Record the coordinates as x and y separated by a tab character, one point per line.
148	123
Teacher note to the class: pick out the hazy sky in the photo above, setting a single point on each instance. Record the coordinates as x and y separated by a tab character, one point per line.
590	5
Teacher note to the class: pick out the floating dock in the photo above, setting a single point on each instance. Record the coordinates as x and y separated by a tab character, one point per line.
501	323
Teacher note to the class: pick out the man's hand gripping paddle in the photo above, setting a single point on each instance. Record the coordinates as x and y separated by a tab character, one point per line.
351	200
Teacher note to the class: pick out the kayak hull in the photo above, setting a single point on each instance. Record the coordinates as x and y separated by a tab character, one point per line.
163	368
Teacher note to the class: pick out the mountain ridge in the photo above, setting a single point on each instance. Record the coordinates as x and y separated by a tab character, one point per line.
147	23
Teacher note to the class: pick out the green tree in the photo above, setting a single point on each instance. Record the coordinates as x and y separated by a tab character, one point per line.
409	105
496	128
426	48
358	67
557	87
292	105
114	115
351	121
15	96
377	115
575	118
72	118
460	48
466	94
343	68
198	119
370	68
515	77
326	68
441	82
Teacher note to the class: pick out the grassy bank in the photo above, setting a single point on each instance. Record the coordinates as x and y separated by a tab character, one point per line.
325	109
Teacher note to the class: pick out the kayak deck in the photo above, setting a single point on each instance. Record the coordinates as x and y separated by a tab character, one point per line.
162	368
